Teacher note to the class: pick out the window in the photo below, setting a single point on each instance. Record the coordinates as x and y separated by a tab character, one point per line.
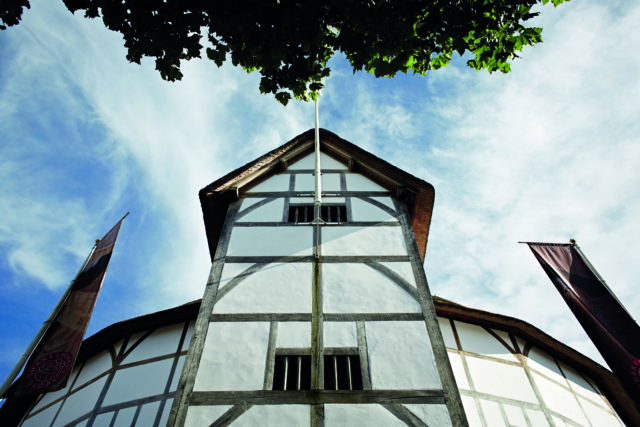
341	371
328	213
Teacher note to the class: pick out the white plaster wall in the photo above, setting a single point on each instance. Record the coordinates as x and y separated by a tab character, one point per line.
125	417
581	386
269	212
431	415
233	357
148	414
294	334
163	341
275	415
447	333
458	371
103	420
98	364
80	402
357	288
349	240
198	416
340	334
492	414
598	416
359	415
276	288
471	411
537	418
475	339
43	418
400	356
357	182
270	241
309	162
559	399
403	269
278	182
230	271
307	182
139	381
176	374
500	379
544	364
515	416
365	211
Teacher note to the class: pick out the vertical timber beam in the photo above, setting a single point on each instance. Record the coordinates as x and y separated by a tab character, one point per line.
449	386
180	405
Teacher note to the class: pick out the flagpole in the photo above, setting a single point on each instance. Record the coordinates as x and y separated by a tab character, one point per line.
43	329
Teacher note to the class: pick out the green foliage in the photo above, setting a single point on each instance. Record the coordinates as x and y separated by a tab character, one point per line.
289	42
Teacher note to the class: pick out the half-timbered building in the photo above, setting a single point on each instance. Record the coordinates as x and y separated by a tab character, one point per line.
324	318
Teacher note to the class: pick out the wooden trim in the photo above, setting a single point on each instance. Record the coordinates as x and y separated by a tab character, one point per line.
271	353
280	397
363	352
404	415
231	415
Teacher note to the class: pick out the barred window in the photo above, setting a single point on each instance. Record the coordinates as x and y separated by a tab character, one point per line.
341	371
328	213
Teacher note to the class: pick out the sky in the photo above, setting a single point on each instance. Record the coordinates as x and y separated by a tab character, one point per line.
548	152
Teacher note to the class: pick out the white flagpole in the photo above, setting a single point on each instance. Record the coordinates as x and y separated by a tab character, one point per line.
318	171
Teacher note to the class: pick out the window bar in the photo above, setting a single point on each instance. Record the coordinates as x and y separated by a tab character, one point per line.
286	371
305	213
329	213
295	215
338	213
299	370
335	370
349	372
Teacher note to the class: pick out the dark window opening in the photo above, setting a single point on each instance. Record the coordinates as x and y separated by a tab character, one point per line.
306	213
292	372
342	372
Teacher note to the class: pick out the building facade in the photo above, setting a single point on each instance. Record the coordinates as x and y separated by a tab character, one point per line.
329	322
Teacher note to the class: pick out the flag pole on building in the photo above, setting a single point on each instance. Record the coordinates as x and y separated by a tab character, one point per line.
606	321
51	354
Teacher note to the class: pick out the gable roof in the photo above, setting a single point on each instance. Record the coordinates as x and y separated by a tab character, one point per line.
418	195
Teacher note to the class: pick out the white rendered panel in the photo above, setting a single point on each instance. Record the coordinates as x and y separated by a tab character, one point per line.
471	411
275	415
475	339
148	414
309	162
163	341
432	415
53	395
177	373
559	422
599	416
139	381
165	413
357	288
269	212
363	241
359	415
103	420
330	182
198	416
340	334
271	241
447	333
458	371
125	416
98	364
294	334
233	357
305	182
559	399
537	418
365	211
492	414
357	182
276	288
250	201
402	269
400	356
505	337
231	271
521	344
43	418
515	416
513	383
581	386
545	364
80	402
274	183
187	338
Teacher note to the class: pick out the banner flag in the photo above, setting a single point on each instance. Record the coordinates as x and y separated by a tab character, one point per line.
50	364
611	328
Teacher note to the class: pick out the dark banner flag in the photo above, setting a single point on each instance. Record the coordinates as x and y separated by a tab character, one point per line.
50	364
611	328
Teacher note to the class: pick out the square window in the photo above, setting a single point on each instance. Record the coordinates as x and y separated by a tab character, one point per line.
328	213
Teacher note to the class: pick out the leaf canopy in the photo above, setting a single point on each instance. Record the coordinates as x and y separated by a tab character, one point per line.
289	42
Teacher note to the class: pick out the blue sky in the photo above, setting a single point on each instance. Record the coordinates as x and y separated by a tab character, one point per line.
545	153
